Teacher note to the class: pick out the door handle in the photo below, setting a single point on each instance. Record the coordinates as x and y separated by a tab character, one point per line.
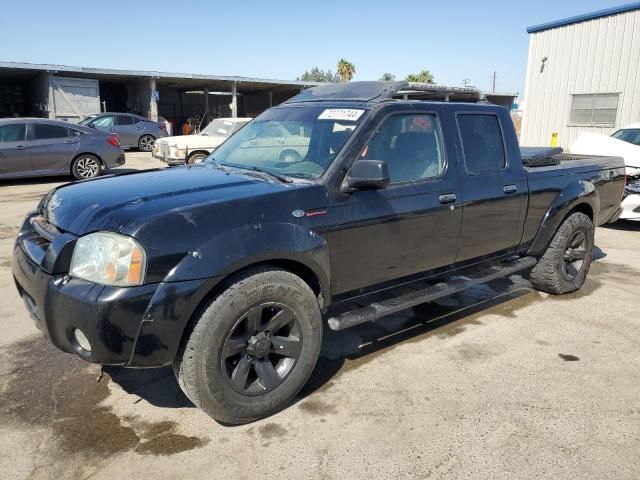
73	140
20	147
510	189
447	198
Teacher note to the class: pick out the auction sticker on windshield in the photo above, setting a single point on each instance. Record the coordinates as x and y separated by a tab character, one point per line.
341	114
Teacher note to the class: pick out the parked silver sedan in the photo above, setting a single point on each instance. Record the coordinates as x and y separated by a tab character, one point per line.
133	131
32	147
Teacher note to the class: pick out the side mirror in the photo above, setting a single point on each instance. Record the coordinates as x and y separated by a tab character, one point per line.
367	175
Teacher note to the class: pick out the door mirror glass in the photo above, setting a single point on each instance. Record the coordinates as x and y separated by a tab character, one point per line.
367	175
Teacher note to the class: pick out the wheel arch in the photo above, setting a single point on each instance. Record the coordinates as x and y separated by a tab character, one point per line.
78	155
581	196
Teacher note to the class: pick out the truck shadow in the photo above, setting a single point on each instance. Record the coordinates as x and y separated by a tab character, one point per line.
624	225
344	351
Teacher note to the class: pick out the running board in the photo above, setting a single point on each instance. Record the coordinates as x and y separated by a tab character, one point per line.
438	290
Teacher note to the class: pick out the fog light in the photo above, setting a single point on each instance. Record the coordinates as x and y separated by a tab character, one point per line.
82	340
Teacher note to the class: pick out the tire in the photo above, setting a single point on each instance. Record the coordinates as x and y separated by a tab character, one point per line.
196	157
227	364
564	266
86	166
145	143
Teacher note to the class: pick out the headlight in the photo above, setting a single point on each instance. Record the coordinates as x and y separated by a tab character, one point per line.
109	259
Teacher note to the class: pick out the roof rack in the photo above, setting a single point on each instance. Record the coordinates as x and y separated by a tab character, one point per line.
386	91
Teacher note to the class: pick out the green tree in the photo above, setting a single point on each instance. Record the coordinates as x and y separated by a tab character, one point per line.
317	75
345	70
425	76
388	77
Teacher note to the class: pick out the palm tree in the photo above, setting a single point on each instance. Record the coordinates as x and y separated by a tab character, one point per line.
345	70
388	77
425	76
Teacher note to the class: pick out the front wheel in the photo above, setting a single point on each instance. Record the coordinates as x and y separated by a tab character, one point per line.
145	144
196	157
252	348
564	266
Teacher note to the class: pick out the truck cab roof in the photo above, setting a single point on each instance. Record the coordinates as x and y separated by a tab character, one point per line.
374	92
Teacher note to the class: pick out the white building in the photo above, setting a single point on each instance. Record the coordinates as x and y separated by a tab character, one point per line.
583	75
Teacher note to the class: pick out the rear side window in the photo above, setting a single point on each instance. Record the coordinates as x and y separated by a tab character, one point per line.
124	120
482	143
12	133
42	131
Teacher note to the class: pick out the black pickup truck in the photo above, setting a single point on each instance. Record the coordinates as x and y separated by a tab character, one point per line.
342	205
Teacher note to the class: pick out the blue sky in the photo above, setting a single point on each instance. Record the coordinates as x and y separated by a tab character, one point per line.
277	39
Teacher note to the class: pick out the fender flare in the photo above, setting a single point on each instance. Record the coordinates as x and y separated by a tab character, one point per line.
575	195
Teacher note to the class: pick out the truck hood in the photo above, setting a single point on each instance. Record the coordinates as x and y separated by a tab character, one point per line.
113	202
192	141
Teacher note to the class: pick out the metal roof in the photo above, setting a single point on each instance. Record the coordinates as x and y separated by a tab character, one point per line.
187	78
585	17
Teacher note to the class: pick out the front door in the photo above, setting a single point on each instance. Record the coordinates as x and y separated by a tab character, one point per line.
494	188
411	226
15	157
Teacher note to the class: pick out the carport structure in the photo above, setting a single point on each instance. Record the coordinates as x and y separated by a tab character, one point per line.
71	93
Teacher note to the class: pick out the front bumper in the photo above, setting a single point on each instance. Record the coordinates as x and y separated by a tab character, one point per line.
630	207
133	326
161	152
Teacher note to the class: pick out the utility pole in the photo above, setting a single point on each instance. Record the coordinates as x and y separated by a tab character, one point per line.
493	82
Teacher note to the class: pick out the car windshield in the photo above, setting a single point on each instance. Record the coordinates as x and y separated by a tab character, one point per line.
631	135
221	128
86	120
290	141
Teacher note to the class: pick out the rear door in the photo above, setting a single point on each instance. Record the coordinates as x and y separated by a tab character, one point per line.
15	157
127	130
411	226
494	186
53	147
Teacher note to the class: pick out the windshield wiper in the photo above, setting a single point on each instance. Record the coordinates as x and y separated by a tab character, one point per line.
278	177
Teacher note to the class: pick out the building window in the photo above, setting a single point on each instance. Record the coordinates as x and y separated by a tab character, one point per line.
594	109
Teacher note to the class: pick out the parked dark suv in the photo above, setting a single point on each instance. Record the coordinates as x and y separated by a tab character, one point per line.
229	269
34	147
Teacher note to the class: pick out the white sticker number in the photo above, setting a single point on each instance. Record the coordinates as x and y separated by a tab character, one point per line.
351	114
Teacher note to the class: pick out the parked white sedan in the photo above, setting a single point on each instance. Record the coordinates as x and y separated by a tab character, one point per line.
195	148
623	143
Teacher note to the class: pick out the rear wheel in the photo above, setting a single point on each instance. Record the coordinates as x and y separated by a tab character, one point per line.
564	266
86	166
145	144
252	348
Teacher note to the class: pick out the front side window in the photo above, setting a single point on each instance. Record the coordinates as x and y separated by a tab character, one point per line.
482	143
292	141
630	135
12	133
410	145
106	121
594	109
43	131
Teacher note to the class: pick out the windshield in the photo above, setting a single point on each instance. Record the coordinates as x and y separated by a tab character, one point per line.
631	135
221	128
290	141
87	120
